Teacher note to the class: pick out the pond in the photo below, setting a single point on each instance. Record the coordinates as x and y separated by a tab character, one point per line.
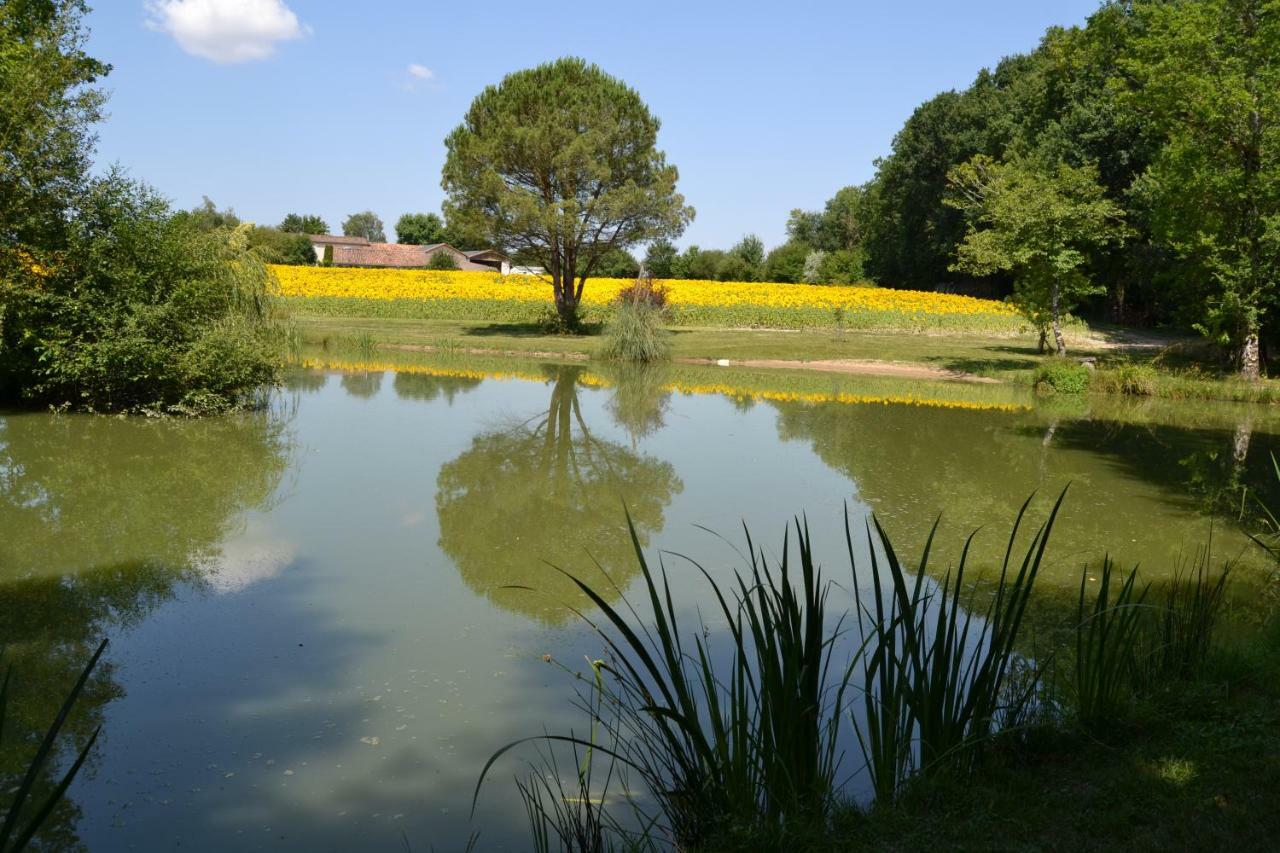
326	615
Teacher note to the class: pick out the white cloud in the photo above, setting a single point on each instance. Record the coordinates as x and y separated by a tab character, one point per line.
226	30
420	72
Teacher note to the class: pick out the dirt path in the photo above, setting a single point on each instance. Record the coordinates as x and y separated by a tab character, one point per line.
851	366
847	366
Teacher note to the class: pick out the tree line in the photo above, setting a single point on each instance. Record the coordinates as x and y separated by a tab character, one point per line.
1132	163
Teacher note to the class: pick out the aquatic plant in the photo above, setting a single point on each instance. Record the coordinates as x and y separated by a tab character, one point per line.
935	681
1107	645
21	824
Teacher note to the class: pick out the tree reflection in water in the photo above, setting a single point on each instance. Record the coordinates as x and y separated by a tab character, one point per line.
100	520
548	492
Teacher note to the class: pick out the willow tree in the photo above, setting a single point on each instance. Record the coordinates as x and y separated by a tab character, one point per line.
560	164
1038	222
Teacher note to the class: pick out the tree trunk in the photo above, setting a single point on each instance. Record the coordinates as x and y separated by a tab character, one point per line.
1057	320
1250	360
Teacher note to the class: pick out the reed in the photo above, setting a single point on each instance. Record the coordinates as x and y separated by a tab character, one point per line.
21	823
1108	639
936	682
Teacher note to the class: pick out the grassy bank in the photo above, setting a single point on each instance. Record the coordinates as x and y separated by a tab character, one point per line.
1194	766
1146	369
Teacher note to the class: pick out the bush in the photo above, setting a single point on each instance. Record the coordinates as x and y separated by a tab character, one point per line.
141	311
636	334
1138	380
1063	376
442	260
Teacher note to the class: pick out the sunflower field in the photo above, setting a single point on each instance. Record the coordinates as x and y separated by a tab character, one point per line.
484	296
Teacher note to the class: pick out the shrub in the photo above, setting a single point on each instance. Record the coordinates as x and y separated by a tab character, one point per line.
636	334
327	260
442	260
141	311
1138	380
1063	376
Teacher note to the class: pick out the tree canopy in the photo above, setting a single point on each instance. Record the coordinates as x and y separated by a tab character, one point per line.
364	224
560	163
420	229
304	223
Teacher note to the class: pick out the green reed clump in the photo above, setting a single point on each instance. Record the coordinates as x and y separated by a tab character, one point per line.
1108	637
740	741
744	747
20	826
1184	626
936	684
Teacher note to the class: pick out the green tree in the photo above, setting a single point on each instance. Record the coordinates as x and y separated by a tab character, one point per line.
660	258
207	217
618	264
364	224
1208	73
442	260
1038	223
786	262
48	105
698	264
274	246
561	161
749	252
304	223
420	229
837	227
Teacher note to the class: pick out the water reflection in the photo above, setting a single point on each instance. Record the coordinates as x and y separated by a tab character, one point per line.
424	386
363	384
547	490
1135	486
100	520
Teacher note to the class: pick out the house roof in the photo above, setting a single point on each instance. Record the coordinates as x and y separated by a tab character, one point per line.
380	255
489	253
337	240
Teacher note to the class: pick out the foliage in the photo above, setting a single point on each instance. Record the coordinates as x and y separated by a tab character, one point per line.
48	104
304	223
364	224
749	252
786	262
1108	632
327	259
1038	223
143	311
838	227
1208	75
618	264
19	829
1136	380
442	261
561	161
698	264
1062	375
660	259
936	686
274	246
420	229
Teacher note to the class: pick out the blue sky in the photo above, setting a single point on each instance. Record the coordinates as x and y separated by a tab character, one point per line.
272	106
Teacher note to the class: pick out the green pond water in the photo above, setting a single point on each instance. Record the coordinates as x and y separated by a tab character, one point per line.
316	636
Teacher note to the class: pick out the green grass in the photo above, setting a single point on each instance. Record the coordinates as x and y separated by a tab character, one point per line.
1138	372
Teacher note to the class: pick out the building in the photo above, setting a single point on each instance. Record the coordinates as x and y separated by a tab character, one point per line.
359	252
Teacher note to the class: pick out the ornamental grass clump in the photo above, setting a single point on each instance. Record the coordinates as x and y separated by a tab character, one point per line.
636	332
